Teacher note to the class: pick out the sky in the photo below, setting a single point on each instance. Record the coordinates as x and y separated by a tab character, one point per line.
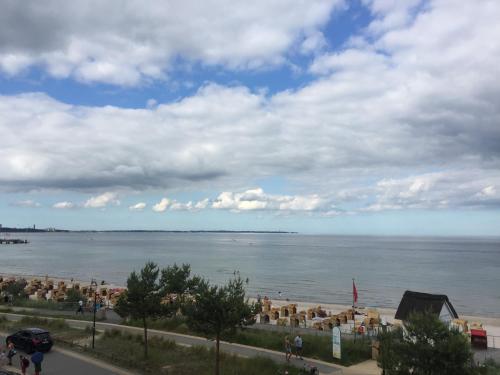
316	116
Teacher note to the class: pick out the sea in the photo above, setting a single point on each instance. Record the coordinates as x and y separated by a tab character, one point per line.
309	268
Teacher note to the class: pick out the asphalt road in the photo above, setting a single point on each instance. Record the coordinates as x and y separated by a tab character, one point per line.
59	363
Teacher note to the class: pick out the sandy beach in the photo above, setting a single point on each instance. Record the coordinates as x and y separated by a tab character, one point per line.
490	324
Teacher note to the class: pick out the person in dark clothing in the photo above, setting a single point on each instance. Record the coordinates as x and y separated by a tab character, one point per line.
37	359
24	363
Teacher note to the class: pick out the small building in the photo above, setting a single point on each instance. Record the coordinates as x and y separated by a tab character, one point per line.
415	302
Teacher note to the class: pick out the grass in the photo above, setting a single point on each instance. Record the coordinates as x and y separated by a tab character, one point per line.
41	304
87	317
490	367
166	357
318	347
315	346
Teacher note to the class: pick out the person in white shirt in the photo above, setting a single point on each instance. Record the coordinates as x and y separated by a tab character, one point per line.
298	346
80	307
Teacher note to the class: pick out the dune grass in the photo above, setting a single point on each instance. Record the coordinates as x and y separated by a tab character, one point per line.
166	357
315	346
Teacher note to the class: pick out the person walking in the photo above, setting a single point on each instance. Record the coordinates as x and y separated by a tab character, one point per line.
298	346
288	349
24	363
80	307
37	359
11	352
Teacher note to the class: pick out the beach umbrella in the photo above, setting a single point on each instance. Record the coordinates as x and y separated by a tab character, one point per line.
37	357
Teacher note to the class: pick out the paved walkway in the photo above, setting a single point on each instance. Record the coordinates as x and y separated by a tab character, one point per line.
367	368
111	316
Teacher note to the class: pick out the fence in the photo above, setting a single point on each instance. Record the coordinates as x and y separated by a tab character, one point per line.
493	341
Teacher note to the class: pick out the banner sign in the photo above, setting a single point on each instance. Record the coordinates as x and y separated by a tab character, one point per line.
336	344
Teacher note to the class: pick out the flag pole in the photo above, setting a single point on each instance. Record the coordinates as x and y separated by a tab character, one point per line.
353	310
353	298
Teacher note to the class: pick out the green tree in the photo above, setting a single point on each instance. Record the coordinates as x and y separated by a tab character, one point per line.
216	310
142	299
16	289
176	283
425	346
177	280
74	295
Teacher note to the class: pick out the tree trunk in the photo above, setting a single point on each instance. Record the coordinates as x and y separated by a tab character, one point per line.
217	345
144	321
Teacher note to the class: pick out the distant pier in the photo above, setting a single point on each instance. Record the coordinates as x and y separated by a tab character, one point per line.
9	241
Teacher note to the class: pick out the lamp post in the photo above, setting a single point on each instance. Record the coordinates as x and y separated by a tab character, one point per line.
93	283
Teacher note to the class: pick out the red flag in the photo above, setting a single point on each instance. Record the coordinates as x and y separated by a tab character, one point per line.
354	292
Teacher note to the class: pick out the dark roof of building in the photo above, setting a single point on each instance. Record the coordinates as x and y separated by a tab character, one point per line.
415	302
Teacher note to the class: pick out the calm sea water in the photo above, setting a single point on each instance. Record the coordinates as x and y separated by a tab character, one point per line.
302	267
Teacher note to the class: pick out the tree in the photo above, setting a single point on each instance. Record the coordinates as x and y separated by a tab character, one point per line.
425	346
176	282
16	289
142	299
74	295
216	310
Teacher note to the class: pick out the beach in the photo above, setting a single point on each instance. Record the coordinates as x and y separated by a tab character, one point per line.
490	324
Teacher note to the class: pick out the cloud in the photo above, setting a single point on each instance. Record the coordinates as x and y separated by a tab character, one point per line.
256	199
64	205
138	206
101	201
96	43
386	121
26	203
162	205
439	190
189	206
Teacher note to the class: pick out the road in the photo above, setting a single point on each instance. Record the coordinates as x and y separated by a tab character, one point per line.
63	362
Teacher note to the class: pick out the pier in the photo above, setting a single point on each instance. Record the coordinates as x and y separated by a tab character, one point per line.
9	241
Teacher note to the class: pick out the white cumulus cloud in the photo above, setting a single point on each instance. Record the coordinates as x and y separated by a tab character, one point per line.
388	120
257	199
64	205
162	205
138	206
101	201
127	42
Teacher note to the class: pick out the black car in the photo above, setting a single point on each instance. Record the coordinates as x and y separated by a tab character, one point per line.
31	340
